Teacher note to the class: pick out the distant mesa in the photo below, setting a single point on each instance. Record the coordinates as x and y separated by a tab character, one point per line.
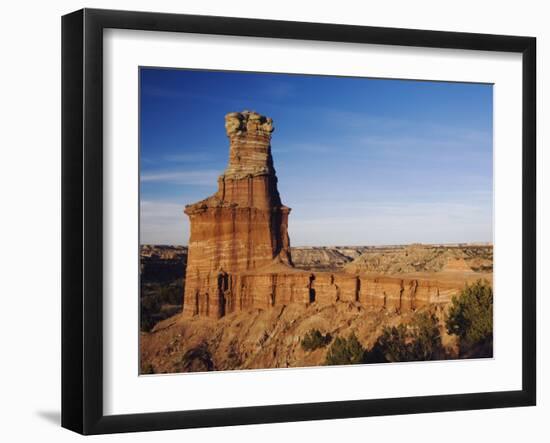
424	258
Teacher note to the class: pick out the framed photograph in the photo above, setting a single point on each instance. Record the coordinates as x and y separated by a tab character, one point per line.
269	221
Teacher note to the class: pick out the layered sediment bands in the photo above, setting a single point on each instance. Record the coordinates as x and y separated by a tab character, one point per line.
243	226
247	291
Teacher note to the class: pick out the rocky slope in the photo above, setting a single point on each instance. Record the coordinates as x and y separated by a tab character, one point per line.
261	338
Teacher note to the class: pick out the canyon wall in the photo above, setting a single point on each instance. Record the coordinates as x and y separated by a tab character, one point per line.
263	290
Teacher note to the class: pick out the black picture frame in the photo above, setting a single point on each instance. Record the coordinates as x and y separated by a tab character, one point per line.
82	218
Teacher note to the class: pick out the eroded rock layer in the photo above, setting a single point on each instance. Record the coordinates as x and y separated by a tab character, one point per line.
243	226
264	290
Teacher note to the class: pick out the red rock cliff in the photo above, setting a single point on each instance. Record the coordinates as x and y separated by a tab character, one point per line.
243	226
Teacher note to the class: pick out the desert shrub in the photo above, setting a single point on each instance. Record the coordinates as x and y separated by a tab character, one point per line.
158	302
470	317
426	338
234	358
146	323
345	351
148	369
420	340
392	345
149	306
150	303
197	359
315	340
172	295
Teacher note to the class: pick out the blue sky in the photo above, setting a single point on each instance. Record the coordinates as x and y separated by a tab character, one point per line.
360	161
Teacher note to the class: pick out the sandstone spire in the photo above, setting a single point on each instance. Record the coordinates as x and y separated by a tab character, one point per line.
243	226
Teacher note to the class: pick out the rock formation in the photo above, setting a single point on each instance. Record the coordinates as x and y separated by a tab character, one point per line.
243	226
269	338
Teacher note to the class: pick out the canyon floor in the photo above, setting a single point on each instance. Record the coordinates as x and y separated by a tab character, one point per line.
272	338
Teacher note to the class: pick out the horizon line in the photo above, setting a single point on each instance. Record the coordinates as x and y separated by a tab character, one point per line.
472	243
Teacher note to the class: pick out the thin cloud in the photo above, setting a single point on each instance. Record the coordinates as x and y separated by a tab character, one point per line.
353	120
200	178
372	137
394	223
278	90
163	222
304	147
190	157
411	146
